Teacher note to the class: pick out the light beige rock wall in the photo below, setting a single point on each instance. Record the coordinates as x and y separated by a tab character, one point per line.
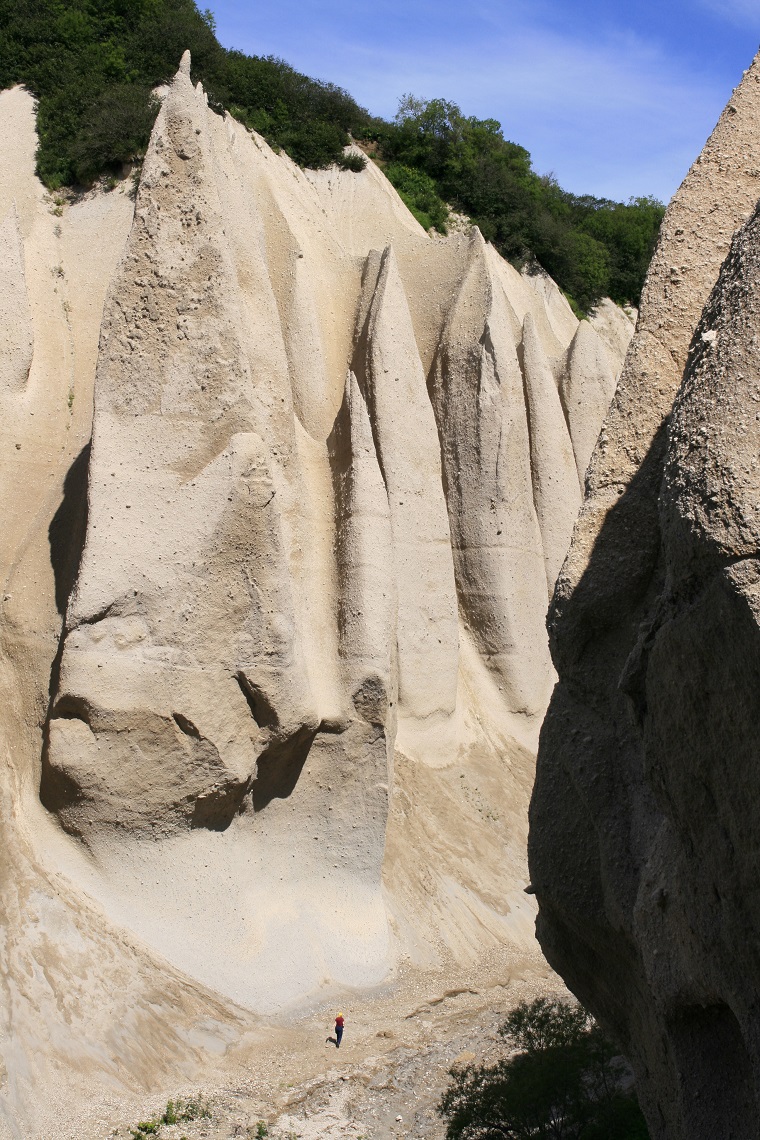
282	583
477	390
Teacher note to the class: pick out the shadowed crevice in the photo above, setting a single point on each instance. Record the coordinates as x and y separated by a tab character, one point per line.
279	767
67	530
66	537
262	710
184	724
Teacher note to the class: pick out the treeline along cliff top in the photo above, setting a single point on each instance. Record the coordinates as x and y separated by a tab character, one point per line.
93	64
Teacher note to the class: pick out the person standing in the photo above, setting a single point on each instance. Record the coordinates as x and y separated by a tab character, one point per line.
339	1023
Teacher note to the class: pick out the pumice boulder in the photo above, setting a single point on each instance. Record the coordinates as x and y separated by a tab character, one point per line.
643	818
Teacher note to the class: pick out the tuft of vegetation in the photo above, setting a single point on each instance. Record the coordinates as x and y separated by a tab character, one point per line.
92	66
565	1082
353	161
418	192
180	1111
146	1128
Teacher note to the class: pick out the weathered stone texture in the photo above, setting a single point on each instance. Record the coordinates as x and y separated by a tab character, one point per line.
643	847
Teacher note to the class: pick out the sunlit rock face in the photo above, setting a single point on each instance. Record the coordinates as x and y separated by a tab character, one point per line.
643	840
288	482
194	681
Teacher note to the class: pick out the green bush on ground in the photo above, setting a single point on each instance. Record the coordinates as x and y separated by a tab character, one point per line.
565	1083
179	1111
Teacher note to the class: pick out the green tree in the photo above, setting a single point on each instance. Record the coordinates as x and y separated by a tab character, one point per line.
92	64
564	1083
589	246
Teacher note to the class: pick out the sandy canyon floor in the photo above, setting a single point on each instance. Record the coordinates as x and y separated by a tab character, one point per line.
385	1081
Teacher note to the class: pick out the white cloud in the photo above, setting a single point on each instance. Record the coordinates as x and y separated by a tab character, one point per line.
608	118
745	13
611	115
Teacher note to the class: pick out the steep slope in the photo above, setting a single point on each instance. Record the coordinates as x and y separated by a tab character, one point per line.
642	848
273	654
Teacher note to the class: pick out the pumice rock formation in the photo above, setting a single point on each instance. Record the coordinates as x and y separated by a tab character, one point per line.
643	818
15	322
498	553
276	527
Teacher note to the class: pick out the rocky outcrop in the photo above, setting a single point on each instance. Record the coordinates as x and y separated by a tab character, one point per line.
285	477
642	848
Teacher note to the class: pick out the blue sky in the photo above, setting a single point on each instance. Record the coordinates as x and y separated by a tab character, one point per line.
615	99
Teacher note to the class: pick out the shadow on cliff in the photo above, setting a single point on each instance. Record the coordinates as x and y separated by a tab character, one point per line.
66	537
621	566
589	764
599	815
279	769
67	530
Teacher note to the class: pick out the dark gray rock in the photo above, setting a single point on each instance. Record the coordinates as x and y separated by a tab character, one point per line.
644	845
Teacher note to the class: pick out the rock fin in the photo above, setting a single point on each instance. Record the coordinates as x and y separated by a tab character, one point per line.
477	393
556	488
390	374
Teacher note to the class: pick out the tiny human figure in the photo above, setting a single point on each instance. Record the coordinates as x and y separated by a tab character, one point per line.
338	1030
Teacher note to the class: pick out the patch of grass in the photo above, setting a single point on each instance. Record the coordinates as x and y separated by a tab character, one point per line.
179	1111
353	161
196	1108
417	191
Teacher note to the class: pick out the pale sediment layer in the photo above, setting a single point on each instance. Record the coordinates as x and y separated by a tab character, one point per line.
286	578
643	819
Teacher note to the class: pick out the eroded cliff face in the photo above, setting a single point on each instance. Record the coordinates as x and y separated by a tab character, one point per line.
643	842
273	645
